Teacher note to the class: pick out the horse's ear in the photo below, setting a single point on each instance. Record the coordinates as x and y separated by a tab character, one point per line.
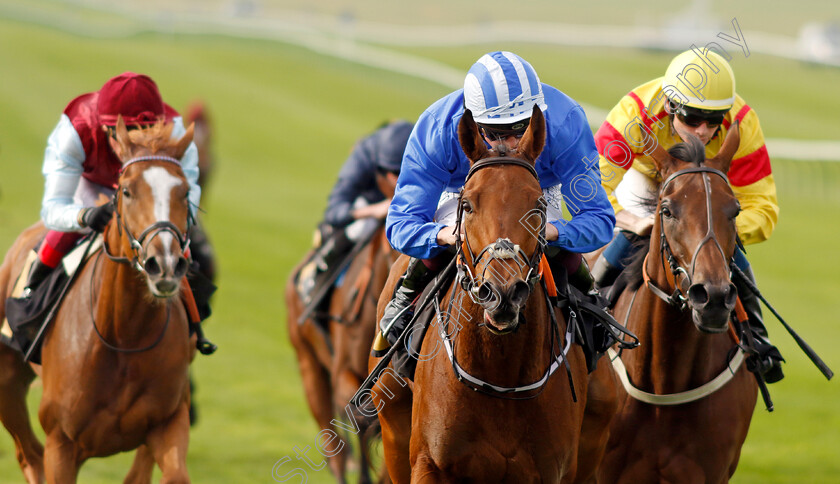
533	141
119	143
661	158
184	142
723	159
471	140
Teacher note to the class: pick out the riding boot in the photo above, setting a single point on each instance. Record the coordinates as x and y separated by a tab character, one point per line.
769	358
316	272
332	250
573	264
582	278
399	311
37	274
604	273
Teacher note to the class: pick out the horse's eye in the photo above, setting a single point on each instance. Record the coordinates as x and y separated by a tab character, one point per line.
737	211
466	206
666	212
126	193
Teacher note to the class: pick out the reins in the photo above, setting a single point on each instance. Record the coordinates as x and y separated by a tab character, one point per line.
497	391
99	334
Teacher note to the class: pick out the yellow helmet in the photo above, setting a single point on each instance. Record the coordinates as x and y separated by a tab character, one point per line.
701	80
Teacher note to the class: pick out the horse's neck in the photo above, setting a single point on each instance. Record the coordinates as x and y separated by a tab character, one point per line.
674	355
125	310
509	360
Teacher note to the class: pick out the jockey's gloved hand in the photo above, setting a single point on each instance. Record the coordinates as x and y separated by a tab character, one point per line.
97	217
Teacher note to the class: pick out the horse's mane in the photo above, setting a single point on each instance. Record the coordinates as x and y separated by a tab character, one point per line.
691	151
156	138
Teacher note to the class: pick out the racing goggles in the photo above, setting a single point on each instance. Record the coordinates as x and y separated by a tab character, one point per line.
695	117
502	131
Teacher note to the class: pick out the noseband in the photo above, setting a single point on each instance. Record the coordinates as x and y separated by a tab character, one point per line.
678	298
501	249
138	245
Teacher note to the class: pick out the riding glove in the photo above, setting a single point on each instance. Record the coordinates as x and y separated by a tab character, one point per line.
96	217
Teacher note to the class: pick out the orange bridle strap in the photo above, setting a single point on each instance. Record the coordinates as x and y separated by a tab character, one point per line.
547	276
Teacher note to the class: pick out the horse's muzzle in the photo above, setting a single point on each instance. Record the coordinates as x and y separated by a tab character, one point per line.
164	274
502	306
711	305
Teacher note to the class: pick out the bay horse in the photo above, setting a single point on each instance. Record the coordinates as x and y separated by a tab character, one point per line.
484	406
116	356
333	366
685	431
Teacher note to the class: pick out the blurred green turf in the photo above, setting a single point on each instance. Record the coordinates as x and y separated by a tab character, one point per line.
285	120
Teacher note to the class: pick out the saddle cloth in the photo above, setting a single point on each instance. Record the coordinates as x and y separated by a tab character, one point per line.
24	317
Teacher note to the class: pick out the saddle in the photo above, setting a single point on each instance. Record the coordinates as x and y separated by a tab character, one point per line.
324	270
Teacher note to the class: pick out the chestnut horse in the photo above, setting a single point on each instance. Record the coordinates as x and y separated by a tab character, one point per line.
682	326
333	367
115	358
484	405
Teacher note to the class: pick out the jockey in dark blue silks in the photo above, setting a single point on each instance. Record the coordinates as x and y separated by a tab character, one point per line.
500	90
356	203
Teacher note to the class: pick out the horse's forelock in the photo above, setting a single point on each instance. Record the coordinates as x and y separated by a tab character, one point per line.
691	151
156	138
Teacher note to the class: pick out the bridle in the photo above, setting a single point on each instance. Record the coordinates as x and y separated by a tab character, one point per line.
502	248
138	245
678	298
472	284
679	301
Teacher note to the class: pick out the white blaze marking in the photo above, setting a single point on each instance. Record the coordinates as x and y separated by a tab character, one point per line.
162	183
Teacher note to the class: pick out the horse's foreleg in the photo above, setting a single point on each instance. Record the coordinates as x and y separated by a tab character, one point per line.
141	469
61	461
394	401
316	387
168	445
15	377
601	407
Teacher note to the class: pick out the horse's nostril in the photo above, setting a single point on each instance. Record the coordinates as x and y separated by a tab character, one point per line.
697	295
484	293
519	293
151	266
731	295
181	267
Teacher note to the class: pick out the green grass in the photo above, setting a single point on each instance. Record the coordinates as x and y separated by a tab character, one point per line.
285	120
797	105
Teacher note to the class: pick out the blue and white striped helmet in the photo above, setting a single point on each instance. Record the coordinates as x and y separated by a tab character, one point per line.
502	88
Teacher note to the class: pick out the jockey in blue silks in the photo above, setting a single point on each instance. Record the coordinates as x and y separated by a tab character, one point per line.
500	90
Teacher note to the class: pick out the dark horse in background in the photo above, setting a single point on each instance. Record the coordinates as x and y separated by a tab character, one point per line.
522	424
200	246
201	250
116	357
333	366
681	315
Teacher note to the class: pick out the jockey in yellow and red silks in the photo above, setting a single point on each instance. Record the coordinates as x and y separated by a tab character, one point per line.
695	96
